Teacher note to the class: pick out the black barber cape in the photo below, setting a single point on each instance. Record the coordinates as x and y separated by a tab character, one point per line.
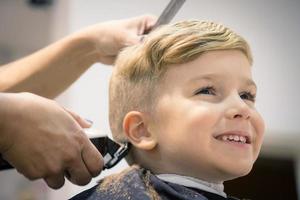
136	183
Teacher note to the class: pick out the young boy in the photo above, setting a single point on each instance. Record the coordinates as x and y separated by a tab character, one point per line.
185	100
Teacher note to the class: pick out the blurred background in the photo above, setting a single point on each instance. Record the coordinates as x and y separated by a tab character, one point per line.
272	27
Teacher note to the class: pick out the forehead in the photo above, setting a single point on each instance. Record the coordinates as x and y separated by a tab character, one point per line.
221	65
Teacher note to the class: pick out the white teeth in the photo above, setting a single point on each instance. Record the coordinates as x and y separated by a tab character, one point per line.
224	137
242	139
235	138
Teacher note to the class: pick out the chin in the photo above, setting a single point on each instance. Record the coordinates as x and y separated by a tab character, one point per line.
243	172
236	171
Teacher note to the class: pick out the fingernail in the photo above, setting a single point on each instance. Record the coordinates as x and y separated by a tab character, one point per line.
142	37
89	121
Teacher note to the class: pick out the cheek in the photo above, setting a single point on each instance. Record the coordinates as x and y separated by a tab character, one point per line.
185	123
192	127
259	125
202	118
259	130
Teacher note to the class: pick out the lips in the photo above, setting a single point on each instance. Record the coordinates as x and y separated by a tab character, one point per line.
242	137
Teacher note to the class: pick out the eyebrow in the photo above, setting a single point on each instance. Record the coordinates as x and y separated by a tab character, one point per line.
250	82
214	77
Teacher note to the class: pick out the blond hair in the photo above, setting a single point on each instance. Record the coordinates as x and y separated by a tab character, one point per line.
139	68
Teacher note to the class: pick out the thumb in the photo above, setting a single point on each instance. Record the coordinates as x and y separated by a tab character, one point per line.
140	26
144	23
82	122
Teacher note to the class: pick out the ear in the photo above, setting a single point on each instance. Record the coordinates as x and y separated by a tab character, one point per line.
135	126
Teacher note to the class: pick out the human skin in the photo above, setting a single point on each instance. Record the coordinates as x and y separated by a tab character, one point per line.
51	70
40	138
198	103
46	141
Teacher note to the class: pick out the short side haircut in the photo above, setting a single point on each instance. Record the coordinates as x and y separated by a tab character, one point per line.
139	68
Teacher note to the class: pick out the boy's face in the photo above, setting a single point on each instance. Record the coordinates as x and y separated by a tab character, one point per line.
205	120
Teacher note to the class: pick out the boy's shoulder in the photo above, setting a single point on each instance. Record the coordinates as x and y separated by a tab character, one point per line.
138	183
128	184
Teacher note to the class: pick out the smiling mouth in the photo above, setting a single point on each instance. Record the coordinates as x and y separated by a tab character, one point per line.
234	138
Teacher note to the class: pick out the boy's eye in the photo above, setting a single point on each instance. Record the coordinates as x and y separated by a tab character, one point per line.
206	91
248	96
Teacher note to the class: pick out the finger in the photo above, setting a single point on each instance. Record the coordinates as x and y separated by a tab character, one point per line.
92	158
55	181
78	173
108	60
150	21
82	122
142	26
143	23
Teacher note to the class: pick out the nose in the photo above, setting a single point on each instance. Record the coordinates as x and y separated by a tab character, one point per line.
237	108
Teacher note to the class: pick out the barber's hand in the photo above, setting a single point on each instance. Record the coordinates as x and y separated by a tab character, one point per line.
43	140
110	37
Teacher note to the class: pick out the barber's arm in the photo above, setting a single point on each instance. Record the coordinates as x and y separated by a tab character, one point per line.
51	70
